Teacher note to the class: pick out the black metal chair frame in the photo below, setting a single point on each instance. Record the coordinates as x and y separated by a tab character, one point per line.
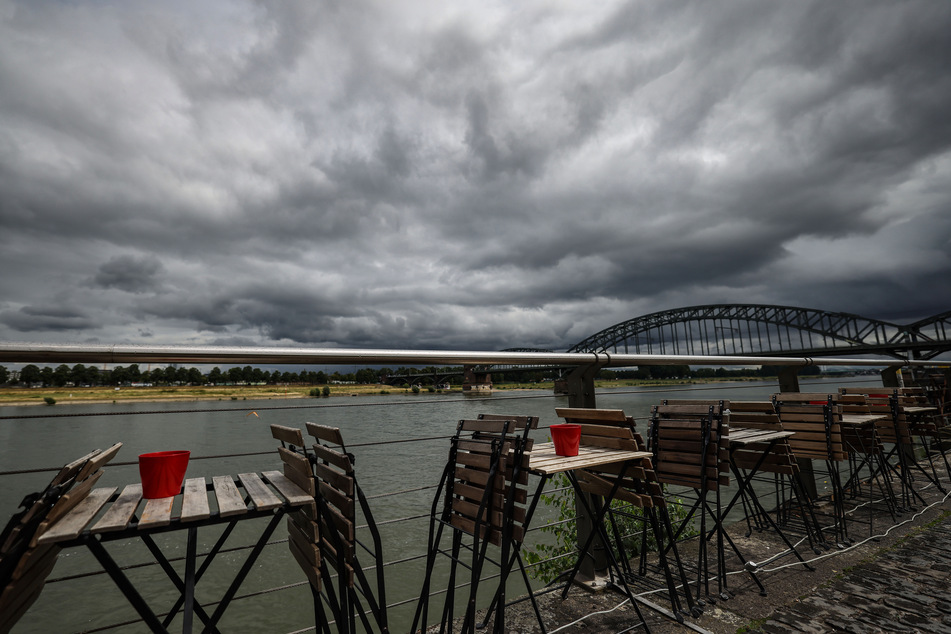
502	446
357	597
712	422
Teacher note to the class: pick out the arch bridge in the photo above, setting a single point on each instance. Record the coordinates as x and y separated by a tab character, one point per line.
765	330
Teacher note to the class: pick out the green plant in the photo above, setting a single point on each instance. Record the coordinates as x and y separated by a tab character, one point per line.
50	400
415	389
326	391
550	560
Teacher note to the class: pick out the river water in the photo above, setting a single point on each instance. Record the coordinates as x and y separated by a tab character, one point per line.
375	428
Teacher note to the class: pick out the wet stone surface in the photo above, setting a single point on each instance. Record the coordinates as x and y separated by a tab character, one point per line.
903	590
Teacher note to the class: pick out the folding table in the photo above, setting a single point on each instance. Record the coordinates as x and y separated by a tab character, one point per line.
220	501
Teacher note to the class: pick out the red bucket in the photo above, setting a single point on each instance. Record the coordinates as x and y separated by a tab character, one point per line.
566	437
162	473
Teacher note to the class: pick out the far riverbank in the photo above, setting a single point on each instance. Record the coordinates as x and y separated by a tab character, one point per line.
95	395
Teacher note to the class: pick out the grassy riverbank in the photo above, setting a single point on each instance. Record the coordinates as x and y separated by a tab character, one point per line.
41	396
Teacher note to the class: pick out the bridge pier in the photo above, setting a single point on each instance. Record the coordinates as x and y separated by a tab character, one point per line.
473	381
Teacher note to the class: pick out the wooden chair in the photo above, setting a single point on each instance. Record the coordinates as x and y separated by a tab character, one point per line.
638	488
690	444
303	526
866	454
479	500
817	421
930	426
25	564
338	496
776	458
895	431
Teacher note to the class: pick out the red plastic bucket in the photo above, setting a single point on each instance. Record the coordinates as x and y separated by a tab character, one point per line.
566	437
162	473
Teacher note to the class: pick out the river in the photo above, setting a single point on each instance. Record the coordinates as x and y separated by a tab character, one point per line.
374	428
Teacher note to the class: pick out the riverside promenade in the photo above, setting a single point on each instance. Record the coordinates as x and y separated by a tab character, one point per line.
898	581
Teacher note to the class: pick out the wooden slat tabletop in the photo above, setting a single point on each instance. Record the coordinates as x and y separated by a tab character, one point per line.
267	491
295	495
75	521
120	513
862	419
261	496
195	500
743	436
230	501
158	512
544	461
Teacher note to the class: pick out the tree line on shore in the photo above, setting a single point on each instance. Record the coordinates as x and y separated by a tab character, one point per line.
81	375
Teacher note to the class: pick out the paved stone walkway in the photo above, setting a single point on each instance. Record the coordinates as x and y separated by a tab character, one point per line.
905	589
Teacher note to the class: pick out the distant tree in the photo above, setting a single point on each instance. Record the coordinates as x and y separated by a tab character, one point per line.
134	374
321	378
78	374
61	375
118	376
235	375
46	375
214	376
30	374
366	376
93	375
4	375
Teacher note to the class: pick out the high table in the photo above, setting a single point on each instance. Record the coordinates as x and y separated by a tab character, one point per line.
862	424
741	438
544	462
220	501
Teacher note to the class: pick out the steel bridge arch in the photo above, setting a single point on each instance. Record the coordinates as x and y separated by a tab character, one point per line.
769	330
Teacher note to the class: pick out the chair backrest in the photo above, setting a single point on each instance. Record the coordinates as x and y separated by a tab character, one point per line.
604	427
488	473
337	487
303	529
884	401
759	415
24	563
690	443
817	421
612	428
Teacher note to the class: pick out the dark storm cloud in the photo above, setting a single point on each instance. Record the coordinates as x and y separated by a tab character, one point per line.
46	319
465	176
130	274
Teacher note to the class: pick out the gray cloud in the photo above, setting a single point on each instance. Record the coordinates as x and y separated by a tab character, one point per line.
383	175
130	274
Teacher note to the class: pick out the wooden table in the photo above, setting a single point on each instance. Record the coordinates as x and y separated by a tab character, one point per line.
220	501
744	437
544	462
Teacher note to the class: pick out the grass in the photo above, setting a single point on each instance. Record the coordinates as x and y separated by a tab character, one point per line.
27	396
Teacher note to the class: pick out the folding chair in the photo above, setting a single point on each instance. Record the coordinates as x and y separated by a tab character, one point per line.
338	495
638	488
817	422
479	501
865	450
303	526
775	457
896	432
690	444
24	563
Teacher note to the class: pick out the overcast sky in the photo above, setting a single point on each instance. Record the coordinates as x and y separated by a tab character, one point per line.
464	175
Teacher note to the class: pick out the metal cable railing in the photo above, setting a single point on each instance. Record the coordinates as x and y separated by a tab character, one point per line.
376	496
